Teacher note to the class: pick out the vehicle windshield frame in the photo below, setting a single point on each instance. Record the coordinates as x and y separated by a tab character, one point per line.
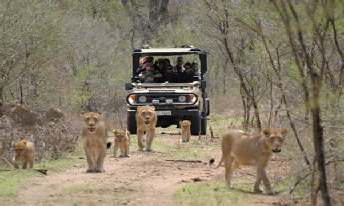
138	53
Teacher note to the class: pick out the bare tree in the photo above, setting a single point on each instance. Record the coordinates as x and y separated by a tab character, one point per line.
308	64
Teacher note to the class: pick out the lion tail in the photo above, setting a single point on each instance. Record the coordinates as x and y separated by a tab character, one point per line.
226	148
220	164
108	145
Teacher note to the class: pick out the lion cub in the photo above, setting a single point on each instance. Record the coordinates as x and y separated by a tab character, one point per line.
94	134
24	152
146	120
240	148
122	142
185	127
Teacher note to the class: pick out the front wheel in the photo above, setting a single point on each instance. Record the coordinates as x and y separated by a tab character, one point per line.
204	126
131	122
196	125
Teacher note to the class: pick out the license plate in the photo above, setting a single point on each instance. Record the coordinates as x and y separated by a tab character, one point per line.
164	113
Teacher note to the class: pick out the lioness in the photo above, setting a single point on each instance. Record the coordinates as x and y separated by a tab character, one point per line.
94	135
25	152
185	127
239	148
146	120
122	141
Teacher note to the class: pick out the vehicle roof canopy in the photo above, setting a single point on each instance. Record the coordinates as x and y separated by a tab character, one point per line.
168	51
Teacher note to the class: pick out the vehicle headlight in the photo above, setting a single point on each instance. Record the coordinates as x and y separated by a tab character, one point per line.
142	99
182	98
132	98
192	98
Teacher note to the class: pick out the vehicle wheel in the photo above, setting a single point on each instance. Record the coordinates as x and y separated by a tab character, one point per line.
204	126
131	122
196	125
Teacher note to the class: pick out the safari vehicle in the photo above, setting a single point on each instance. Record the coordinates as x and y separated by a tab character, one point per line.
173	101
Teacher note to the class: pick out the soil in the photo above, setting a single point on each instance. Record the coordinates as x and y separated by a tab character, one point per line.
142	179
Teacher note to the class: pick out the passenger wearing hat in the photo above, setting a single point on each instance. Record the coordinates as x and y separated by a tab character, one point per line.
147	71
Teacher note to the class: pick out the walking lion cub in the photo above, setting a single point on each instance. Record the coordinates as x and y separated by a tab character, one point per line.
239	148
185	127
25	152
121	142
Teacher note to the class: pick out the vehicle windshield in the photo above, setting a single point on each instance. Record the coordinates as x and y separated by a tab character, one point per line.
173	69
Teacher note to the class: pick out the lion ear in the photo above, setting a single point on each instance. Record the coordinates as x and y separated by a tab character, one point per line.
266	132
153	108
82	113
284	131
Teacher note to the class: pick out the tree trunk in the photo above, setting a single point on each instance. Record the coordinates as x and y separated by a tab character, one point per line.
256	114
1	93
318	140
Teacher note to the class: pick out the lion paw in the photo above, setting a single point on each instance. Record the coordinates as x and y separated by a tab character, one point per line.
270	192
123	156
99	170
257	190
90	170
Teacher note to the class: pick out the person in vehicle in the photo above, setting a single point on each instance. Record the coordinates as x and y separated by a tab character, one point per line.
176	75
169	75
193	71
147	71
161	67
188	73
178	68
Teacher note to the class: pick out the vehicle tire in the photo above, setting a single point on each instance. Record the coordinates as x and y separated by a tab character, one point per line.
196	125
204	126
131	122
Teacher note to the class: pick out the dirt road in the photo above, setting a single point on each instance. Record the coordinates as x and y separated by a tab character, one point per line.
142	179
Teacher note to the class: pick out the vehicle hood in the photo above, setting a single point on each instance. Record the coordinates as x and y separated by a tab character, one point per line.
166	87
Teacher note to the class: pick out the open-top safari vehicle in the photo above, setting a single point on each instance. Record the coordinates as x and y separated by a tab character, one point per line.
175	94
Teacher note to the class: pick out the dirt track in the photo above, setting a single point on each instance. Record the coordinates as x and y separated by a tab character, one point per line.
142	179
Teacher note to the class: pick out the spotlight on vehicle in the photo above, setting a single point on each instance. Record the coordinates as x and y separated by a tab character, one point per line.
142	99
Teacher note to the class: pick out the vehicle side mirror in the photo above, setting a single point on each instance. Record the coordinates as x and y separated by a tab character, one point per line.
203	85
128	86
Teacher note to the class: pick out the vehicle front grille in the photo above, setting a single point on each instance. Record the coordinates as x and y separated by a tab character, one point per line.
161	98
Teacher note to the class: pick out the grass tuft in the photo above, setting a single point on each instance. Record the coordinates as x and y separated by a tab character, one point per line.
209	194
10	181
